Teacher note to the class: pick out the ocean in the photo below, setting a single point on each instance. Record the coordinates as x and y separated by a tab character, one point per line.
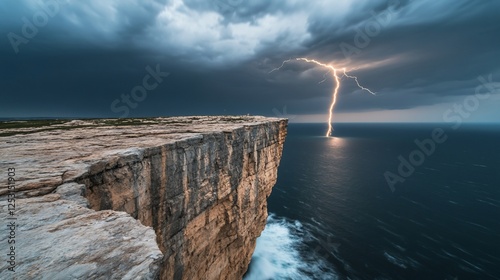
335	213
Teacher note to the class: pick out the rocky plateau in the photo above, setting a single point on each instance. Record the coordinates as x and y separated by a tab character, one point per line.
159	198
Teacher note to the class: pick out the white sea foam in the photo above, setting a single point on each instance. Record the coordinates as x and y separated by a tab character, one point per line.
277	254
395	260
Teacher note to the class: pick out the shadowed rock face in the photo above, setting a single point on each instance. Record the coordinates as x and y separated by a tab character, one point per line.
169	198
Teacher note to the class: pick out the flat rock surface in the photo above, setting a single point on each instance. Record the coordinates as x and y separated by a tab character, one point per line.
47	156
57	236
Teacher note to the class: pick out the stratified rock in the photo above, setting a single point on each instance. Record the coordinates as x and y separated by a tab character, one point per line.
168	198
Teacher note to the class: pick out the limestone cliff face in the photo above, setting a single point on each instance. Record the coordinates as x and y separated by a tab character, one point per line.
197	186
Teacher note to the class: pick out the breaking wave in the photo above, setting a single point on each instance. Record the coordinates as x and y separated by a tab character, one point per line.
281	254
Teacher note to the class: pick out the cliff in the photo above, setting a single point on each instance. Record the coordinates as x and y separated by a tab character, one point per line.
168	198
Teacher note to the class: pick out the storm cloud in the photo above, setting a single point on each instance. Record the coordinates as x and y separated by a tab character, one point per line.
77	58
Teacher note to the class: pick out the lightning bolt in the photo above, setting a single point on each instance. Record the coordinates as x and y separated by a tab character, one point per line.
336	89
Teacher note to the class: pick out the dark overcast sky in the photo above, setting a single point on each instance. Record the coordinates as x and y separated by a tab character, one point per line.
69	58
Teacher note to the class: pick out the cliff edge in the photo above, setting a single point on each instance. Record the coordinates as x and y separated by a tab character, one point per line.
162	198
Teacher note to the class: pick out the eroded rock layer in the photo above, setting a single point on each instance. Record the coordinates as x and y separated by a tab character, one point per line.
169	198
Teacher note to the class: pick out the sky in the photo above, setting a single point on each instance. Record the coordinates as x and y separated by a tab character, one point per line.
426	60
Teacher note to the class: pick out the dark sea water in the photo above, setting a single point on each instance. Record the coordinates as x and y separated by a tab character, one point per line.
334	216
